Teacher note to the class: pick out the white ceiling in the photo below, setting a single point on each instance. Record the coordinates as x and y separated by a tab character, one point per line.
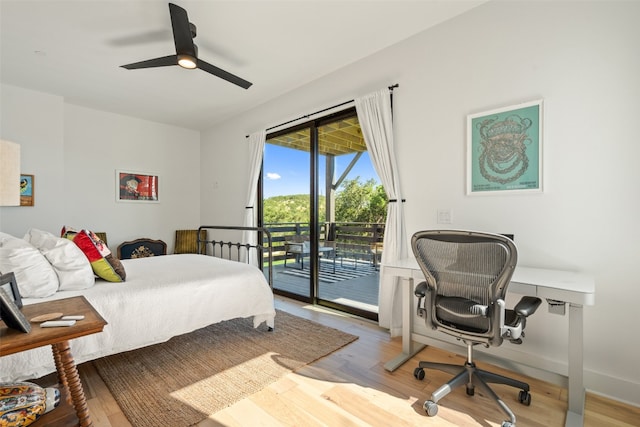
74	48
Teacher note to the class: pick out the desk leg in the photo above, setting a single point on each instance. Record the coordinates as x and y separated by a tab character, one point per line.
409	348
66	365
575	409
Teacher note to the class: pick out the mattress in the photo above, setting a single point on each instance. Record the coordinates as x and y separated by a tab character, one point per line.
163	296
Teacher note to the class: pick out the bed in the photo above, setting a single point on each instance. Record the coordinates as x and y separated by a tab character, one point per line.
162	297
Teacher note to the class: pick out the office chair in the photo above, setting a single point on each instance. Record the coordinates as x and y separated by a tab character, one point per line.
467	274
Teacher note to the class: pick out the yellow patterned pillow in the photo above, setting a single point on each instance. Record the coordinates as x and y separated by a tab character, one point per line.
22	403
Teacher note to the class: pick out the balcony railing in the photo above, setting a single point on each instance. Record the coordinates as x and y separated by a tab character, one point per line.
353	239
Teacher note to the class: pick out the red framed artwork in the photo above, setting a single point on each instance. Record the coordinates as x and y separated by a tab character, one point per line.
137	187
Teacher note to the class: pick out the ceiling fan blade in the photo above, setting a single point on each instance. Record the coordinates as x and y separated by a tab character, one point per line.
219	72
181	31
165	61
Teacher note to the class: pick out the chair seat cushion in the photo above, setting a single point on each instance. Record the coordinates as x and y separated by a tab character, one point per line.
460	313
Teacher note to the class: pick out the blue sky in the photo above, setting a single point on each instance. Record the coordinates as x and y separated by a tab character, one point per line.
287	171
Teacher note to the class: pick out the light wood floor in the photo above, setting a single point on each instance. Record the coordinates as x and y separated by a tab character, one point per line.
351	388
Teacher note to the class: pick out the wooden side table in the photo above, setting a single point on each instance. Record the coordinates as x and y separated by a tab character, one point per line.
13	341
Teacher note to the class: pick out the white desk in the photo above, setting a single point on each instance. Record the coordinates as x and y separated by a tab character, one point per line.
573	288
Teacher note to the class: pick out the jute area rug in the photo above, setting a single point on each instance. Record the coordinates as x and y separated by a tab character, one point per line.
183	381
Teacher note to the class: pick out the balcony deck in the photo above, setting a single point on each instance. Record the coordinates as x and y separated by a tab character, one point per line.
353	284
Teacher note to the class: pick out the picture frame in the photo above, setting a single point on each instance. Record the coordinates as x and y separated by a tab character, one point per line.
11	314
9	283
504	150
132	186
27	187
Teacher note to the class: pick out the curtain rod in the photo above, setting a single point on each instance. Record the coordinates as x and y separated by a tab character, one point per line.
306	116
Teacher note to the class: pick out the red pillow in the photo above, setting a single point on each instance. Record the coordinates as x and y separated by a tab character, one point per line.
102	261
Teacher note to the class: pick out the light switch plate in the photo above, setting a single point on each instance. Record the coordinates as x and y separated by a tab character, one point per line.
445	216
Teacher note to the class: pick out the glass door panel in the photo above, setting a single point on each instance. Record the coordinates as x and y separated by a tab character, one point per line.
349	276
287	212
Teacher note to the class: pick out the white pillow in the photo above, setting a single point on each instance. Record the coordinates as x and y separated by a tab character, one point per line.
70	264
35	276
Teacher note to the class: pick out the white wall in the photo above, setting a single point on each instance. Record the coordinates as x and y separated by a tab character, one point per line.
74	152
35	121
582	59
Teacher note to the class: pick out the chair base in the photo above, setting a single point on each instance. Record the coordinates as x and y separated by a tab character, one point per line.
471	376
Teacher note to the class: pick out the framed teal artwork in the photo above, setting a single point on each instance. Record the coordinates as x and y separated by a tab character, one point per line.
504	150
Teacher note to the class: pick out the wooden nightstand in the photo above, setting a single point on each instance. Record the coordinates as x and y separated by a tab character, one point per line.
12	341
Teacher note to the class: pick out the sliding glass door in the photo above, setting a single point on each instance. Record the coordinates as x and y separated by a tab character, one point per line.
326	209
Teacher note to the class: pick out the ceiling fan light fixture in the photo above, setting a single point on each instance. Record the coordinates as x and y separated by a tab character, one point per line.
186	51
187	61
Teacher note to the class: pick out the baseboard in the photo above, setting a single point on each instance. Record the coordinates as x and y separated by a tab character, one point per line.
618	389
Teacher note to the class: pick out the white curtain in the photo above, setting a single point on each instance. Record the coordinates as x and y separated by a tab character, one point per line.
374	115
256	151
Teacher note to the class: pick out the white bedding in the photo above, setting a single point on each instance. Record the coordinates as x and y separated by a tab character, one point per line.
162	297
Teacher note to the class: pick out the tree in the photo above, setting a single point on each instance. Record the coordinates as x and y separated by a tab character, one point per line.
355	202
289	208
361	202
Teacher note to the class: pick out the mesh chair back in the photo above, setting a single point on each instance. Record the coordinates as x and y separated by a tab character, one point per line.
466	272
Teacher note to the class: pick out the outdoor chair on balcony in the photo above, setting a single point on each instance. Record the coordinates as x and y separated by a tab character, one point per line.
376	254
328	249
298	248
301	248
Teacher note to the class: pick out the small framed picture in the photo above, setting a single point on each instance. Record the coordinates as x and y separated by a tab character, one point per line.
10	285
137	187
27	190
504	150
9	311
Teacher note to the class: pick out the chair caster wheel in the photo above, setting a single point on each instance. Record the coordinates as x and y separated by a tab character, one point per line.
418	373
524	397
471	391
508	424
431	408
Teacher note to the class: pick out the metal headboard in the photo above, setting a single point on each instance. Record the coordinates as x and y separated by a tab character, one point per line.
239	251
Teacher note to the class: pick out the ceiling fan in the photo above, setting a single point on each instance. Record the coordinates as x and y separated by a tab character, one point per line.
186	51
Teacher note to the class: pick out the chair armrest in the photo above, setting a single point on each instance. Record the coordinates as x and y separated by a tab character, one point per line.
420	292
421	289
527	306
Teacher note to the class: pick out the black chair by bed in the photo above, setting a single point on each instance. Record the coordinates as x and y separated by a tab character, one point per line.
141	248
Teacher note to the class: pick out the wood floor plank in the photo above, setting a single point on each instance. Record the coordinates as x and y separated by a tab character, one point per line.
290	415
351	388
307	397
356	402
248	413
